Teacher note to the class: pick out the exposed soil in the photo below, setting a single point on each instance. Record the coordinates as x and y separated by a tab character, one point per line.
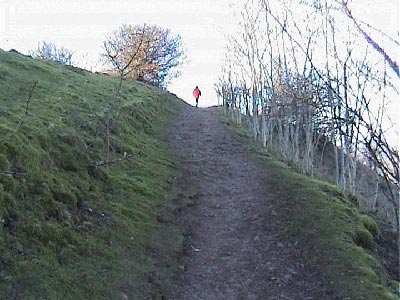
233	250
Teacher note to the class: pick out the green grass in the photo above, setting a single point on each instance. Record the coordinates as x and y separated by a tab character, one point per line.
71	230
338	238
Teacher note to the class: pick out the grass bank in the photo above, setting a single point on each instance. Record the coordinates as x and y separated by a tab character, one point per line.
84	176
339	240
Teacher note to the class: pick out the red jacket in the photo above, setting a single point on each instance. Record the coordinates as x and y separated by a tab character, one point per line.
196	93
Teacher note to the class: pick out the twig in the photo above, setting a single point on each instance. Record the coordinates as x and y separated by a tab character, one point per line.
107	162
27	105
17	175
30	96
375	45
13	173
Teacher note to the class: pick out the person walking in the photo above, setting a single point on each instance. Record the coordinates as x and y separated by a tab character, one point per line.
196	95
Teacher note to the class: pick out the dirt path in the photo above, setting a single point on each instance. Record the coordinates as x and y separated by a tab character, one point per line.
233	251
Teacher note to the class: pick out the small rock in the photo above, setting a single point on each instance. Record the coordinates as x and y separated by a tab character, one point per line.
182	267
256	238
190	203
252	297
287	278
280	245
124	296
210	215
216	206
162	219
195	249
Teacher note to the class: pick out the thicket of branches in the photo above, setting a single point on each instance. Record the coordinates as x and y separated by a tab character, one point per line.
144	52
316	87
49	51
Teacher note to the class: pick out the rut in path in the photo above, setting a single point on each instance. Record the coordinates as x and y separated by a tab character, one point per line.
234	252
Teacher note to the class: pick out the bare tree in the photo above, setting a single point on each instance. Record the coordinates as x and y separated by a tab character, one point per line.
49	51
298	104
392	63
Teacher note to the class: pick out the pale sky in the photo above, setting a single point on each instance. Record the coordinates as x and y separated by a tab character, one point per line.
82	25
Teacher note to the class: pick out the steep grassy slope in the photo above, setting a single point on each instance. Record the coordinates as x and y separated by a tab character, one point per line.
338	241
82	179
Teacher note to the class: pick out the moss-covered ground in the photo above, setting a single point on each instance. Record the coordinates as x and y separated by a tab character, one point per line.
84	175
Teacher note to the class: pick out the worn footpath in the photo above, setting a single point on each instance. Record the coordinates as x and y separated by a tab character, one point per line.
233	251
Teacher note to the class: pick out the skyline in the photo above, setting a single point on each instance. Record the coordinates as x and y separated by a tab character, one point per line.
82	26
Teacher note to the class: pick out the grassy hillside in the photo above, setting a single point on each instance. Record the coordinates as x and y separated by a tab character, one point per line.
83	177
338	241
86	181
